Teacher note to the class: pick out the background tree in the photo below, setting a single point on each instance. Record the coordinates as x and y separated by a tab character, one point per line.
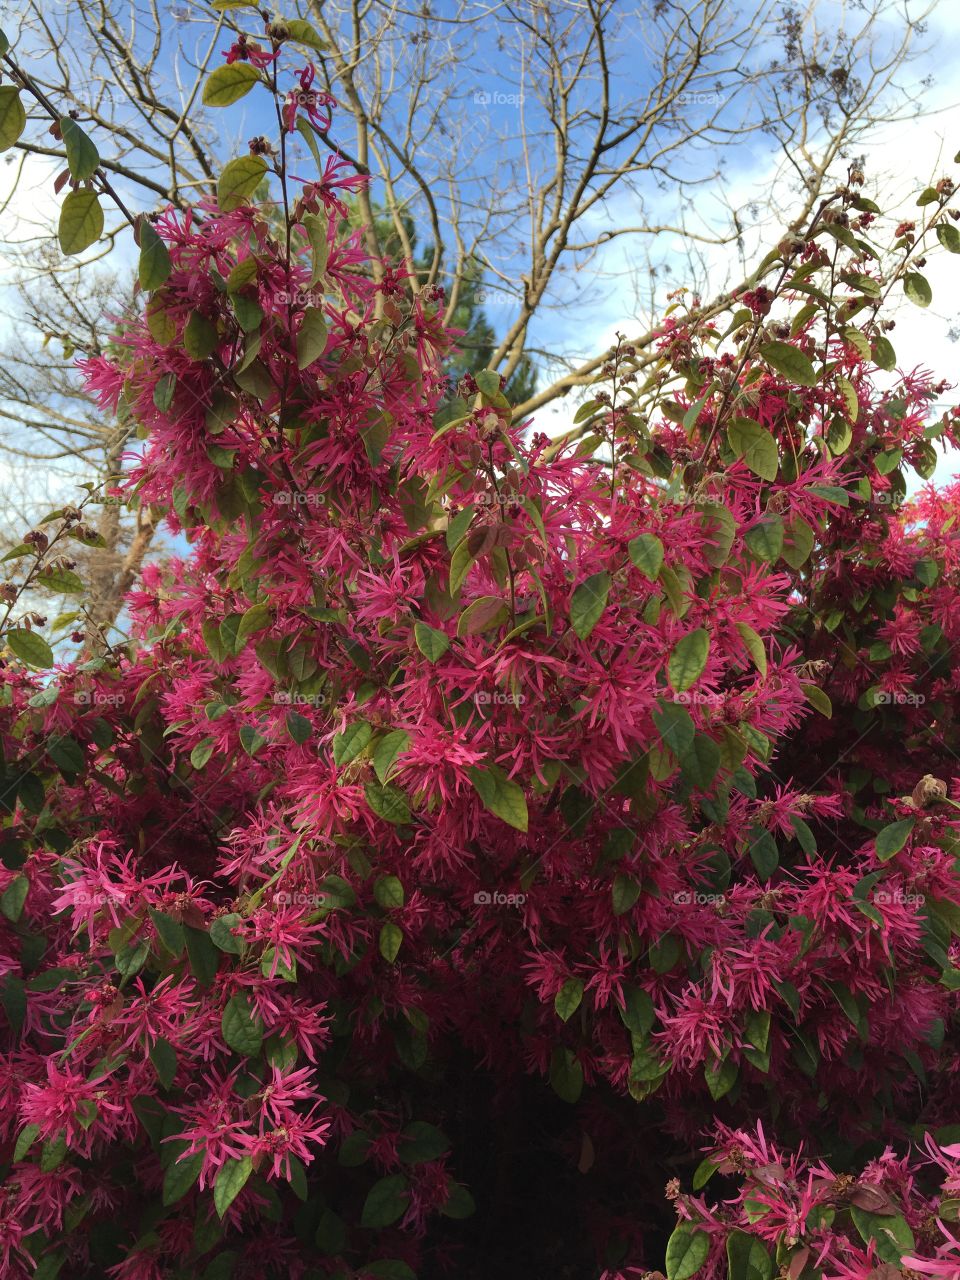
508	146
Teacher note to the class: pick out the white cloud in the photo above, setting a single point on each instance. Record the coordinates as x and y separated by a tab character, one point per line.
901	159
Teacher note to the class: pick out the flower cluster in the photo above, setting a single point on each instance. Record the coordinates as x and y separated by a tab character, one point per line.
459	784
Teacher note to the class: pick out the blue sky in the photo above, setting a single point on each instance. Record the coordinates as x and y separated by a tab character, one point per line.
581	323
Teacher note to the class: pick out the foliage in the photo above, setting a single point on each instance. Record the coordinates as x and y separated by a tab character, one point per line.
461	786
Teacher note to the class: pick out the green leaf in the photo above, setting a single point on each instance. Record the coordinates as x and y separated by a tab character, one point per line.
164	1059
13	898
169	931
331	1234
13	997
62	581
311	337
432	644
756	446
818	699
588	603
890	1233
754	646
568	998
719	529
53	1153
67	754
316	229
458	526
638	1012
646	552
250	739
131	957
229	83
765	538
222	937
688	659
202	752
203	955
348	744
30	647
832	492
884	356
459	1203
500	796
238	181
83	158
420	1142
460	563
391	939
13	118
81	221
199	340
701	762
926	571
790	362
256	618
805	837
675	727
242	1029
386	1202
155	265
304	33
624	893
20	550
213	638
484	614
797	542
25	1140
917	289
949	237
180	1177
763	852
687	1251
566	1075
488	382
388	802
703	1173
388	893
231	1180
298	727
892	838
747	1258
163	392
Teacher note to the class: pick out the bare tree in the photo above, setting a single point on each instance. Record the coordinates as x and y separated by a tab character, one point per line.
55	436
524	135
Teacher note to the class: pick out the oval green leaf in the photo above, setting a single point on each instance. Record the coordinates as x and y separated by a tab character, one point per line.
688	659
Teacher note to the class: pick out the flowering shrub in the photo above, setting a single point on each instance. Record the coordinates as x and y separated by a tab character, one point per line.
471	812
